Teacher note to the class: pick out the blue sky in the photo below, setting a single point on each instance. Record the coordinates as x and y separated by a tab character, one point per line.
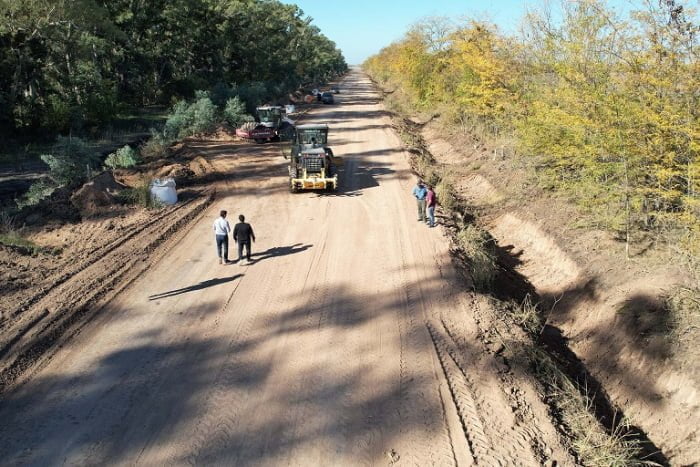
361	27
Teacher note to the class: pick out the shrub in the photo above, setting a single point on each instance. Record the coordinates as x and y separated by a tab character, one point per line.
123	158
139	195
204	115
156	147
179	119
70	161
234	112
445	194
477	245
37	192
190	119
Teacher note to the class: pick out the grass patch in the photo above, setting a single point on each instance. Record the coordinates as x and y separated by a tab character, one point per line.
527	315
139	195
593	445
10	235
478	247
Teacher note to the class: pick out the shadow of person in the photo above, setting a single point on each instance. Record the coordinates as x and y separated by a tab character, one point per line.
278	251
193	288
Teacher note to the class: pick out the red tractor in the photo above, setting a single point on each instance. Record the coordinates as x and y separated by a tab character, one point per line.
271	124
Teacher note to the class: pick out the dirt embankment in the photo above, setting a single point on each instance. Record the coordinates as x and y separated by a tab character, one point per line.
607	311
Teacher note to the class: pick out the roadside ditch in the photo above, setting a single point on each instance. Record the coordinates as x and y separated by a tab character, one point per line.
595	429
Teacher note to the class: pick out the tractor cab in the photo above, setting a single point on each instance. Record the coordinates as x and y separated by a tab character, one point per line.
270	116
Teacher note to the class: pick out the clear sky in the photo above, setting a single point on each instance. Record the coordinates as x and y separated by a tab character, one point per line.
361	28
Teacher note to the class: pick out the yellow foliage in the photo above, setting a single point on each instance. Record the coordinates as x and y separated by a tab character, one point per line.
608	109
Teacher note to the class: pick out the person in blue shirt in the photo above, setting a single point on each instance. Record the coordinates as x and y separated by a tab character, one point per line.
420	192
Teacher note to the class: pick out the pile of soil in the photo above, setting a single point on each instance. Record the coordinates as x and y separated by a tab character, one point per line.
177	171
99	192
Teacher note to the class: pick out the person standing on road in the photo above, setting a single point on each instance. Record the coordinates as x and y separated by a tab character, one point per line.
420	192
221	230
243	234
431	202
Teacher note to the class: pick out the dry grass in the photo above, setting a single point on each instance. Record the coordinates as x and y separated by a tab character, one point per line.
593	445
477	245
11	235
527	315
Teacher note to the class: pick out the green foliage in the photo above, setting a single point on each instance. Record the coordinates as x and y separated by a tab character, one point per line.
70	161
235	112
37	192
605	109
123	158
139	195
478	247
67	65
190	119
156	147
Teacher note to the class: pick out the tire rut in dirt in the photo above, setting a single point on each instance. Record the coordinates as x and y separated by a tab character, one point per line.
494	441
74	301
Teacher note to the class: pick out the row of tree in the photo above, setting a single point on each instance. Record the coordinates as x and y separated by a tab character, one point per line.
65	64
608	109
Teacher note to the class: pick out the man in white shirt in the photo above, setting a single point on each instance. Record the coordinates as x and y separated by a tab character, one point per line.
221	231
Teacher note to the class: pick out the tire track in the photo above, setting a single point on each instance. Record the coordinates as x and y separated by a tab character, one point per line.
412	394
96	282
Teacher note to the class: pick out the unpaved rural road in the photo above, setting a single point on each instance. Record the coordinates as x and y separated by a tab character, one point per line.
347	342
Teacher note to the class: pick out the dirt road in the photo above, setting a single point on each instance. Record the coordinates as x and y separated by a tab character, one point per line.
348	341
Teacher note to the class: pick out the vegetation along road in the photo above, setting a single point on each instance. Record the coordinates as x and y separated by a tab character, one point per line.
345	342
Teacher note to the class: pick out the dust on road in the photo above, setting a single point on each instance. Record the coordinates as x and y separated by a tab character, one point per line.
348	340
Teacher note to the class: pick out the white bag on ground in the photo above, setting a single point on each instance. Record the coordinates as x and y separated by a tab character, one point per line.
163	190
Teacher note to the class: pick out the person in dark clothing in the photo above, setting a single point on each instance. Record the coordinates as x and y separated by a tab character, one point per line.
243	235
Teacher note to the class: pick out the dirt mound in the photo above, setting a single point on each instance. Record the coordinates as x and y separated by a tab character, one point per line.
200	166
179	172
100	191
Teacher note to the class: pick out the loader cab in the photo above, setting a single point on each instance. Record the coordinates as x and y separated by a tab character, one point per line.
308	137
311	135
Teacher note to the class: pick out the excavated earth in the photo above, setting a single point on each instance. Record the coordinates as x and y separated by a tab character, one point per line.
350	339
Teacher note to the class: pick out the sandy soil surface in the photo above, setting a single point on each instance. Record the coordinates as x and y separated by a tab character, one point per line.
348	341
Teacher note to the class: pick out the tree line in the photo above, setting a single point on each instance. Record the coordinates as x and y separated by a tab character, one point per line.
68	64
606	108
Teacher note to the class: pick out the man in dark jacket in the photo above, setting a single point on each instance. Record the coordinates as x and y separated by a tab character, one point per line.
243	234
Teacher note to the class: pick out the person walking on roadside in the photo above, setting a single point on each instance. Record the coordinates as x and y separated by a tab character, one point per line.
221	230
431	202
420	192
243	234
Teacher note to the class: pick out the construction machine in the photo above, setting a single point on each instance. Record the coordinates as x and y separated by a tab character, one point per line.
312	165
271	124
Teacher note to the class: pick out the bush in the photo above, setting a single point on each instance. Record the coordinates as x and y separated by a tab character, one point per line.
70	161
445	194
37	192
154	148
204	115
123	158
234	112
191	119
139	195
477	245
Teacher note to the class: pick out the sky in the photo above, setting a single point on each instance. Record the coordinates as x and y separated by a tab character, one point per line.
360	28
